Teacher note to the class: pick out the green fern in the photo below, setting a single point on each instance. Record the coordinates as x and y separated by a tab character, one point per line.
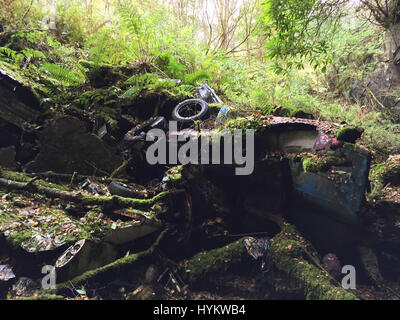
131	19
142	79
33	54
11	55
139	82
196	77
130	93
64	75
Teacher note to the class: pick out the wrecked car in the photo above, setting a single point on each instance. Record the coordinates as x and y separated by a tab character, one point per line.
90	205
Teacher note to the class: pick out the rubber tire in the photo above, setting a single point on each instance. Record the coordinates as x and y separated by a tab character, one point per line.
202	114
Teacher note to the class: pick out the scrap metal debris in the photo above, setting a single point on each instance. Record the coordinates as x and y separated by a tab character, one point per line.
69	254
6	272
259	249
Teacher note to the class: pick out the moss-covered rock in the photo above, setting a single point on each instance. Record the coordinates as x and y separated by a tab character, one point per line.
102	75
215	262
318	164
387	172
155	101
384	176
67	147
349	133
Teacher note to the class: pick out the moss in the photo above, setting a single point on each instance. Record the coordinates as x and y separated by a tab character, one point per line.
250	122
128	261
13	71
15	176
348	134
151	101
103	102
114	201
288	250
299	113
102	75
215	108
175	177
382	174
388	172
16	238
43	295
22	177
314	164
216	261
121	201
66	147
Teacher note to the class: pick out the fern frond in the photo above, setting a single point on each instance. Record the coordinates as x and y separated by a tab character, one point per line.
196	77
64	75
32	53
16	57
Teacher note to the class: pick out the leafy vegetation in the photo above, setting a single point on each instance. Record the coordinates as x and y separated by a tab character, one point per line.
261	56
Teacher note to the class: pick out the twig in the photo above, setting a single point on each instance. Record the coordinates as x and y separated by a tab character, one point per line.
94	167
73	178
27	11
120	168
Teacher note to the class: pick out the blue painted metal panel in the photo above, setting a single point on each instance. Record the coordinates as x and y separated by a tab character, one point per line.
340	192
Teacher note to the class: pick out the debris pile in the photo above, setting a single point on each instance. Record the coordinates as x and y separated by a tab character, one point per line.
77	194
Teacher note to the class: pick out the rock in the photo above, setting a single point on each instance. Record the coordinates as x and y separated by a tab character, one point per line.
102	75
66	147
349	134
146	291
357	91
383	81
7	157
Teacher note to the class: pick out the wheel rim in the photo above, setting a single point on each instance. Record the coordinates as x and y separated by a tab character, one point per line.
190	110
